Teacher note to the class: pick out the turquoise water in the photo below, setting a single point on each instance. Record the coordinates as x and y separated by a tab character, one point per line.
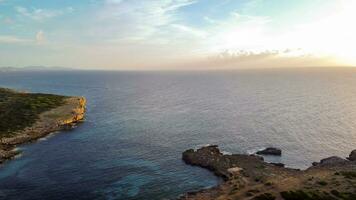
138	124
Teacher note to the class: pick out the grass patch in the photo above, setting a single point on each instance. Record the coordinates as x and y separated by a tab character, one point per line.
348	174
322	183
252	192
268	184
306	195
265	196
21	110
316	195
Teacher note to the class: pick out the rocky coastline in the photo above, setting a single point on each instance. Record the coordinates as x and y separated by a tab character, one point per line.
249	177
62	117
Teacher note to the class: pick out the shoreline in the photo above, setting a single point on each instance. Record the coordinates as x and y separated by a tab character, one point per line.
60	118
250	177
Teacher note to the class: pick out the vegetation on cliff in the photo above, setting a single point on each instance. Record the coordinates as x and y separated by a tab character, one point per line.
21	110
249	177
26	117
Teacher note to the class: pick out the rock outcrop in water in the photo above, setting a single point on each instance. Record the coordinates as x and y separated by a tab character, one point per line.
249	177
59	118
270	151
352	156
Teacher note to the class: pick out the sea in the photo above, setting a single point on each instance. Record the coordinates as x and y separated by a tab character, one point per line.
138	123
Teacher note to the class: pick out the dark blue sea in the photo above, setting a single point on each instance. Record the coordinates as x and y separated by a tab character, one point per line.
138	124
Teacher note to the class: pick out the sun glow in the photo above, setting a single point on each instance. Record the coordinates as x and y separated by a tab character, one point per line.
150	34
331	33
334	35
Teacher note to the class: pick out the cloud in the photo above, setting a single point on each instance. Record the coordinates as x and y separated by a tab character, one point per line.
40	37
11	39
39	14
135	20
7	39
237	32
185	33
265	59
190	30
324	35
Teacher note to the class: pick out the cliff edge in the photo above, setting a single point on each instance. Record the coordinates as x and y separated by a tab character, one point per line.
249	177
60	113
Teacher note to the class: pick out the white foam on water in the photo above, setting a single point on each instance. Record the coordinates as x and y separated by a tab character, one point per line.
48	136
255	150
201	146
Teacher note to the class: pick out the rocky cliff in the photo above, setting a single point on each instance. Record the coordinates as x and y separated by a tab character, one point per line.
59	118
249	177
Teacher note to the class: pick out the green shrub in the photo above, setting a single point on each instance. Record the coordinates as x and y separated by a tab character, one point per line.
20	110
265	196
306	195
323	183
348	174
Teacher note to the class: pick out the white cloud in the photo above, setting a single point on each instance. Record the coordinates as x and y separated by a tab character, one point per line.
190	31
134	20
146	33
253	59
39	14
331	34
237	32
40	37
327	34
8	39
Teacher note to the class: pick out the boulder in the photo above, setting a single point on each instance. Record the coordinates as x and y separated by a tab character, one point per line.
270	151
352	156
234	170
333	160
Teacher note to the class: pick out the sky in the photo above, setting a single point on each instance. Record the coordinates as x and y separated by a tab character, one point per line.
177	34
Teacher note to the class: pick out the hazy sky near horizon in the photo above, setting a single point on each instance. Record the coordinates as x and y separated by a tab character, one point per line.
183	34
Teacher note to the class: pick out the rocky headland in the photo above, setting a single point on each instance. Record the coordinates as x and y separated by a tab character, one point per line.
249	177
27	117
